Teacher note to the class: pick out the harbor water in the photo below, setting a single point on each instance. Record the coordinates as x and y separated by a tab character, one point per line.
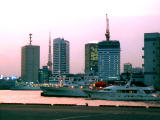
34	97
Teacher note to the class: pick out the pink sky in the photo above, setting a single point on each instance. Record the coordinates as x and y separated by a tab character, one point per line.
78	21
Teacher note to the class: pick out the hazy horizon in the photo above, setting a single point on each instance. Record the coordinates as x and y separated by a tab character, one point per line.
79	22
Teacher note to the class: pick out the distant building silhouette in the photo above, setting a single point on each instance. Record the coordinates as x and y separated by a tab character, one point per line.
152	59
127	68
44	74
137	70
30	62
91	59
60	57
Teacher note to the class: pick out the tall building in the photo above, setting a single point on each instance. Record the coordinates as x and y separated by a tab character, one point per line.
127	68
91	59
30	62
152	59
60	57
109	58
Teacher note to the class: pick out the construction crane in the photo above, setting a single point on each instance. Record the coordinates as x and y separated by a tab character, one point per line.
107	34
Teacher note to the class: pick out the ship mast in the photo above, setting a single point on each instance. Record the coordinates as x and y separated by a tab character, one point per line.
107	34
49	54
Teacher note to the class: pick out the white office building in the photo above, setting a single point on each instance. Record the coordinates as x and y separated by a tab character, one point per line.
60	57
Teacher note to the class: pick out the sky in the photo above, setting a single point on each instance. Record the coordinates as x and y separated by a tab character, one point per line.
79	22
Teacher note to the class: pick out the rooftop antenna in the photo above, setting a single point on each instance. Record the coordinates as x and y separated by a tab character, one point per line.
30	37
49	54
107	29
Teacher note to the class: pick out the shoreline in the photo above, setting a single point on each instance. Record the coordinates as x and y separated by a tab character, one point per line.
17	111
33	97
86	105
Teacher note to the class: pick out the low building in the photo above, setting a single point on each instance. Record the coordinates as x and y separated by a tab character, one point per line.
44	74
127	68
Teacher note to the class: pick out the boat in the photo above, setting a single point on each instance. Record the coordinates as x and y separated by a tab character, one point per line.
6	84
64	90
25	87
127	92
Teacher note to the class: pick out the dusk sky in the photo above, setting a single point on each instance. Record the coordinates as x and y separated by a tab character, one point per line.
79	22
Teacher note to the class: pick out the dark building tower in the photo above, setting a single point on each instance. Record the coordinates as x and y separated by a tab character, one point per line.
44	75
91	59
109	58
152	59
30	62
60	57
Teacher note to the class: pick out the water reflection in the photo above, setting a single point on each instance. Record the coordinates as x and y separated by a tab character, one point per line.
15	96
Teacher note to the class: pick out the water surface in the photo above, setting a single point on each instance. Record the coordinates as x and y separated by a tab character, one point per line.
20	96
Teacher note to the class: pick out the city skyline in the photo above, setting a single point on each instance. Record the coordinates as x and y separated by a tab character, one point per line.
129	20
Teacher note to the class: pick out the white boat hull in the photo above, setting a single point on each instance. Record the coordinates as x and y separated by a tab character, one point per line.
120	96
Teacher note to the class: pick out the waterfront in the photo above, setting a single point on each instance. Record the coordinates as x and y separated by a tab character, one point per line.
46	112
34	97
29	105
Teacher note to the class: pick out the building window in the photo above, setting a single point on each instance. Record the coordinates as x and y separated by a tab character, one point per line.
153	77
154	69
153	43
153	52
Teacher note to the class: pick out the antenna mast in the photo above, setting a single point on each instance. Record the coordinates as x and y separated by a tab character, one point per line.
49	54
30	37
107	29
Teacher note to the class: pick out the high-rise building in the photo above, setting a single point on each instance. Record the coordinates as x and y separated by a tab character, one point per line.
91	59
109	57
30	62
60	57
152	59
109	60
127	68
